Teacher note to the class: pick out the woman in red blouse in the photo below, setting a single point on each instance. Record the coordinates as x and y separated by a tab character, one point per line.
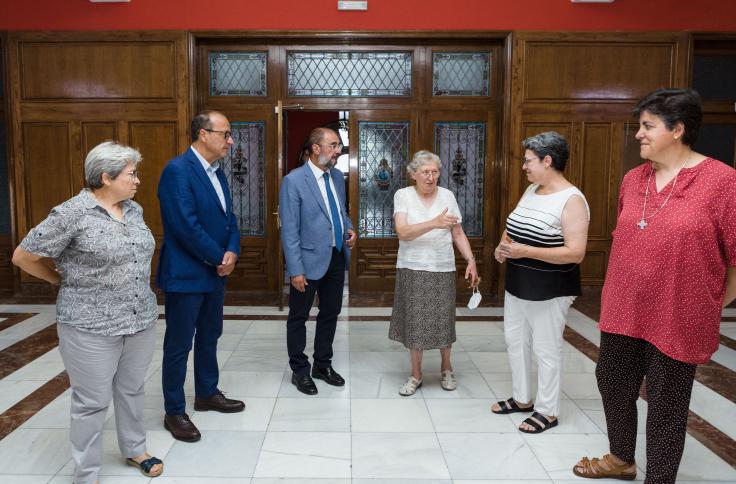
670	273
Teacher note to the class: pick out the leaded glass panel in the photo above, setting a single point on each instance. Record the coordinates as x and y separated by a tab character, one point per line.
353	74
244	169
383	153
461	73
462	149
237	73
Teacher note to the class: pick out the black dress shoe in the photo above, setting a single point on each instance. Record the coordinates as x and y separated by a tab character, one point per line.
304	384
181	428
219	403
329	375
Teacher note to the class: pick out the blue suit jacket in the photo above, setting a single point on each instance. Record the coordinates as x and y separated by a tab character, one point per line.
197	232
306	226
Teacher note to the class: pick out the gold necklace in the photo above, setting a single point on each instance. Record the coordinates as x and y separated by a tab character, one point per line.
643	222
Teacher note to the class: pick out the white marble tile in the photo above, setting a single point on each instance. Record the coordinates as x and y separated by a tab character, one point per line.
389	415
478	328
403	481
502	481
139	479
234	326
372	384
305	454
267	328
466	415
24	329
254	418
257	361
369	328
482	342
55	415
487	362
726	357
44	368
26	479
698	462
580	386
299	480
164	479
470	384
398	456
219	454
311	414
381	362
12	392
558	453
489	456
34	451
364	341
251	383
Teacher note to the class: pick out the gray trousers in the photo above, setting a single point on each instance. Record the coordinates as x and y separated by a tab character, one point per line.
101	369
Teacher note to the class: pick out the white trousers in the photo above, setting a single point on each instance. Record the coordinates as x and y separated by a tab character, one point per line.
536	326
103	369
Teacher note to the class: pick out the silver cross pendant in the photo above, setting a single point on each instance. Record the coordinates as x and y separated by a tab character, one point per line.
642	224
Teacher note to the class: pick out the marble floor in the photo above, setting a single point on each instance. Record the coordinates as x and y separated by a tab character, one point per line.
363	433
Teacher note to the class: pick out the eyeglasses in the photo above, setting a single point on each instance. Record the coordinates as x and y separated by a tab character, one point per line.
529	160
225	134
334	146
429	173
133	174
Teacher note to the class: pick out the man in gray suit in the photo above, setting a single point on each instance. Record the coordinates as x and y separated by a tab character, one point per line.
317	236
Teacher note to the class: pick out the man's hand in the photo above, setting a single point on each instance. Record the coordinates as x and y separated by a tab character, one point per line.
228	264
353	237
299	282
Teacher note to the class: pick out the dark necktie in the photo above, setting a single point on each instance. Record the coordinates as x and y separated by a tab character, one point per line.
336	225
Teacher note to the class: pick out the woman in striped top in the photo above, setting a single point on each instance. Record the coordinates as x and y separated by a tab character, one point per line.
543	245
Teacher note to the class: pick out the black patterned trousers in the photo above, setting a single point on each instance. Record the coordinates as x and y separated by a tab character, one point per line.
624	362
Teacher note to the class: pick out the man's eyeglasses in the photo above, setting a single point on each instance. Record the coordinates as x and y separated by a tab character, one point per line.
335	146
225	134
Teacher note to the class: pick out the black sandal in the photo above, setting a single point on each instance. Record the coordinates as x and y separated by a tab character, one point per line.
535	420
510	406
146	466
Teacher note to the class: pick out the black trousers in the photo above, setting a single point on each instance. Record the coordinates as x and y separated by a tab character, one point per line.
623	364
330	289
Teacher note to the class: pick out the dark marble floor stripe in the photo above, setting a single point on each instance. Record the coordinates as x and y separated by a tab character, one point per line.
718	378
16	415
716	441
728	319
28	349
13	318
728	342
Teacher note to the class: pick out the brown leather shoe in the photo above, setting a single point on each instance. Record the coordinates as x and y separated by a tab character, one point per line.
181	428
219	403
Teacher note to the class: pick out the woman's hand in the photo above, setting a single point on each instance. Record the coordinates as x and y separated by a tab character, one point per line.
471	272
445	220
497	254
510	250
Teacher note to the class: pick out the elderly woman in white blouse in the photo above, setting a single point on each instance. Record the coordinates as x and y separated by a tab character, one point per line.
427	220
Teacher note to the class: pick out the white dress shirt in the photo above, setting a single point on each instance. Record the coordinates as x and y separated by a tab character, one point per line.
319	175
211	171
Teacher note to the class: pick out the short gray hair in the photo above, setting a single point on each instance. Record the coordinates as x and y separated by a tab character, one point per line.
422	157
549	143
109	157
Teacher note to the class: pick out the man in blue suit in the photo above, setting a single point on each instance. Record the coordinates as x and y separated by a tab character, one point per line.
200	249
317	235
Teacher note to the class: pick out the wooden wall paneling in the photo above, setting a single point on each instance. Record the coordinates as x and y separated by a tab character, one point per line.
6	243
157	142
97	69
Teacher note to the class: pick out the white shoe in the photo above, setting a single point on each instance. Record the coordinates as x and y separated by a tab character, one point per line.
410	387
449	382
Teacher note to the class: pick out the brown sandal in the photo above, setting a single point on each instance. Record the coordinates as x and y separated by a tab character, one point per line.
592	469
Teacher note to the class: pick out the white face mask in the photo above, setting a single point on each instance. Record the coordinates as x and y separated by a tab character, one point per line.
474	299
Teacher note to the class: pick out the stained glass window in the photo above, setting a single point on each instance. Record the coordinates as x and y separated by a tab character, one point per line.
383	154
237	73
354	74
462	149
244	169
461	73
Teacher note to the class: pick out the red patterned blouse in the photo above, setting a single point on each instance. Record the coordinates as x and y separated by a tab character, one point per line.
666	282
